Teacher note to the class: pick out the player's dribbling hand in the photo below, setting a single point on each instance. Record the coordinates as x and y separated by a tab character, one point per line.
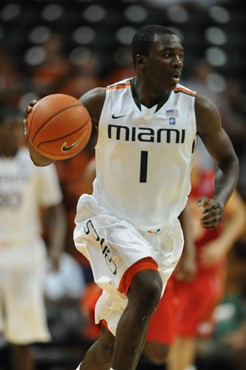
37	158
27	111
212	212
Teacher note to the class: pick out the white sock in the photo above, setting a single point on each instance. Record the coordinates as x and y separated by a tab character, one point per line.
78	368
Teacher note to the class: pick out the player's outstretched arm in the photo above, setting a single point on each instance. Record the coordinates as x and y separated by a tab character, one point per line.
220	147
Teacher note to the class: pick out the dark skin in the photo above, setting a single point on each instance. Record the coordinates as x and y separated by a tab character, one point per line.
157	73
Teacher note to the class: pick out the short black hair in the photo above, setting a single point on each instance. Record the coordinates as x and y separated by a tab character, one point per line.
144	37
8	113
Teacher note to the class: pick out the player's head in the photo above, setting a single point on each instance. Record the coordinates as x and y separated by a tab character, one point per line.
157	55
11	132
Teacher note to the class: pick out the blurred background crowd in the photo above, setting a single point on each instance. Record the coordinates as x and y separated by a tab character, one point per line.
72	46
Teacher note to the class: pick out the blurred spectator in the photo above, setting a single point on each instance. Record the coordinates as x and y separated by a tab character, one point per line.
236	341
196	3
54	66
27	195
124	68
233	109
81	76
11	81
200	80
65	318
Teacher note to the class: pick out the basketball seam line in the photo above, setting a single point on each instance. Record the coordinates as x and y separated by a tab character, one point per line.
63	137
45	98
40	128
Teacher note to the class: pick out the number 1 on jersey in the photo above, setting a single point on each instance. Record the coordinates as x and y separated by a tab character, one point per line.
143	166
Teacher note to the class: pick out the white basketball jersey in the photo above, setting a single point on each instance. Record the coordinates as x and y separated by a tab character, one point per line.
143	156
23	189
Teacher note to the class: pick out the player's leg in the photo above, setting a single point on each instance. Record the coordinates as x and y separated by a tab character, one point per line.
156	352
182	353
143	297
195	308
100	354
162	326
21	357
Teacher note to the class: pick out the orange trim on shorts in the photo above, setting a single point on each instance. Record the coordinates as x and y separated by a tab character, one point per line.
120	86
146	263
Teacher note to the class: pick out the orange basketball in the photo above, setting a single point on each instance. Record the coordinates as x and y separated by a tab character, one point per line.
59	126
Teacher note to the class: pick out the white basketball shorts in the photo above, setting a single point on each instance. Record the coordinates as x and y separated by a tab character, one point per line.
22	308
116	251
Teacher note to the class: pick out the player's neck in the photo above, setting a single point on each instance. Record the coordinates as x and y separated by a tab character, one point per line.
147	96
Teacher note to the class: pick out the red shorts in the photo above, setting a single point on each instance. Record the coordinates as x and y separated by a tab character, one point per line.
162	324
196	302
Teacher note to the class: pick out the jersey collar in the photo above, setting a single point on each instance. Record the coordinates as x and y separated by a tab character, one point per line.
137	102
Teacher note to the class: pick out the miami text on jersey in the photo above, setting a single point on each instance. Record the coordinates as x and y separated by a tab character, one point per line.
146	134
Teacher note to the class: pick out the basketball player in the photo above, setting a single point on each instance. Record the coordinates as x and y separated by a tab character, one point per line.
128	228
24	189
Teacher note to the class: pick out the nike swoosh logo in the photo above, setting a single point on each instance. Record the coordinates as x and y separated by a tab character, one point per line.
65	148
115	117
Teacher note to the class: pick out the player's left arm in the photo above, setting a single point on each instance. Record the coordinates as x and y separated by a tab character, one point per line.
219	145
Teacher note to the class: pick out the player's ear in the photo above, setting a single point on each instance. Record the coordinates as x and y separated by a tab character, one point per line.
140	61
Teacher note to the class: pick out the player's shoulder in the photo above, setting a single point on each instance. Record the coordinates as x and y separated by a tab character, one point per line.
205	106
96	94
181	89
120	85
93	100
207	113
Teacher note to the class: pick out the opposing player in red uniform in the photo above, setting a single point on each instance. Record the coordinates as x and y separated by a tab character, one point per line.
198	298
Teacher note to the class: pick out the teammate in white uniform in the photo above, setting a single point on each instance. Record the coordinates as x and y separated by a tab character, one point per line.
128	227
25	188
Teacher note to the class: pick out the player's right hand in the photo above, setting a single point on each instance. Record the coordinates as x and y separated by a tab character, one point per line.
37	158
27	111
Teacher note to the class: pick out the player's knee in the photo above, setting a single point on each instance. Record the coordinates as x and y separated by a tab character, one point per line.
145	290
157	353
